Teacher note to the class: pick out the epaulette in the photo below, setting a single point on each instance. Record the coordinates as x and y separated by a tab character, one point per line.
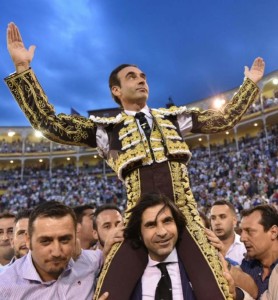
172	111
194	109
107	121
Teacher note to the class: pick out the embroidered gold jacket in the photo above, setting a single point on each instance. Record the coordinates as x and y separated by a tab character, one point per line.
127	147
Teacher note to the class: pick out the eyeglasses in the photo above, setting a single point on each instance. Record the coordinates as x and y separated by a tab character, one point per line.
6	232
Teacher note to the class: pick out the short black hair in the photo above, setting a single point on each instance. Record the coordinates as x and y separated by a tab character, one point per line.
269	215
133	228
224	202
114	80
7	215
102	208
79	211
50	209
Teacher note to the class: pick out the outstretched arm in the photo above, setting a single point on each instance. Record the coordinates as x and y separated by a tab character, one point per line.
62	128
21	56
212	121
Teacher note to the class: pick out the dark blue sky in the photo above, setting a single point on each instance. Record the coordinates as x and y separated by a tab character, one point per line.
188	49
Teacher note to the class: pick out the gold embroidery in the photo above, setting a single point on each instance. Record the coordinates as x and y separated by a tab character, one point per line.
133	188
185	201
105	268
135	148
66	129
173	110
211	121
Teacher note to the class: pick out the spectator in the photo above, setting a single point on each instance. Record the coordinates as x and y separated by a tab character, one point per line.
106	218
156	224
260	236
48	271
6	234
223	221
85	232
18	242
20	234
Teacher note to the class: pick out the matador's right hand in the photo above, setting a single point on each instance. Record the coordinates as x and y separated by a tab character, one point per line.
21	56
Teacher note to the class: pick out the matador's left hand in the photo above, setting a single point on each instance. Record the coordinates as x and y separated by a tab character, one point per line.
256	72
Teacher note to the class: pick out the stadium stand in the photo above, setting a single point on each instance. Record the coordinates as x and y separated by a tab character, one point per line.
240	165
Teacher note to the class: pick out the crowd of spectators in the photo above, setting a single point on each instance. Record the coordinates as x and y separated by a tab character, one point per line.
64	185
267	103
10	147
29	146
246	178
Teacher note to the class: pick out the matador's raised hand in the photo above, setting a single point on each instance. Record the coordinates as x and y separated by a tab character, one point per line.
256	72
21	56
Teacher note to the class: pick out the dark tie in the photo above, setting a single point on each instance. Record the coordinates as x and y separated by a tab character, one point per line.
164	286
144	124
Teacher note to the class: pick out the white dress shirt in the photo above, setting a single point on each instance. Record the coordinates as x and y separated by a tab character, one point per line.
236	250
152	275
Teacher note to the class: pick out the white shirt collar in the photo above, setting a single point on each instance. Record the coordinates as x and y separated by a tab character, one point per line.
172	257
237	239
145	110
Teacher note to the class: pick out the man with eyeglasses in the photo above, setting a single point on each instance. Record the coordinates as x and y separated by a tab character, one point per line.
6	234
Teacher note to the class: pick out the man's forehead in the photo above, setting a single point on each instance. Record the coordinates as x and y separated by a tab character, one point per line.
155	213
252	219
22	223
51	234
6	222
108	214
129	69
220	209
47	223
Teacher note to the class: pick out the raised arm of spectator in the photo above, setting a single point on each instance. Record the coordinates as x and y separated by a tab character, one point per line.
239	278
212	120
237	293
244	281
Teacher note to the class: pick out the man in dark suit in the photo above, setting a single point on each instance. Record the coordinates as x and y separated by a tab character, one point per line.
156	224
